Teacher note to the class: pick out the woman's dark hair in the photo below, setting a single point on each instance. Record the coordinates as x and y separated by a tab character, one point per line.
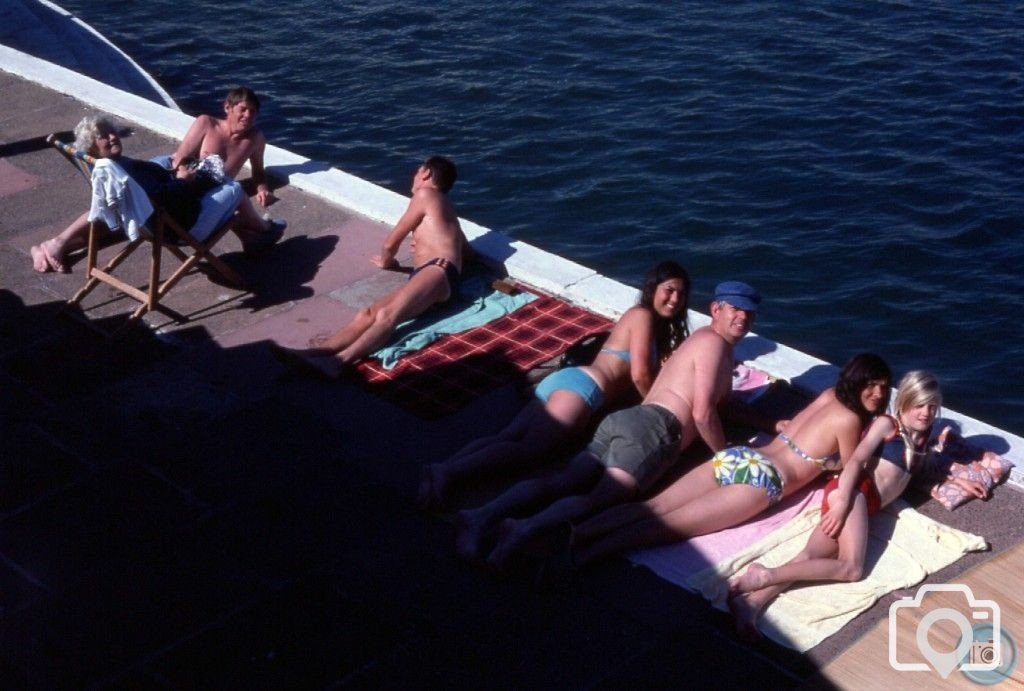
668	333
856	374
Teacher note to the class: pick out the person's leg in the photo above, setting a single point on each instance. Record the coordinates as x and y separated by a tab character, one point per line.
49	255
822	559
614	486
723	507
219	205
251	225
475	524
424	289
215	209
713	509
318	359
520	426
690	485
327	359
347	335
752	592
370	328
538	430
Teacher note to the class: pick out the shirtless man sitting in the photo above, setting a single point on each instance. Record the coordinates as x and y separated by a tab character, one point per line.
632	447
437	249
234	138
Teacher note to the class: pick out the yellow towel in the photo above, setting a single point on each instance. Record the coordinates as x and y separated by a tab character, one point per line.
903	548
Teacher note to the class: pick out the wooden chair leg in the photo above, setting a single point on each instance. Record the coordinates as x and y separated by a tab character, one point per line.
149	298
154	267
93	274
204	251
90	264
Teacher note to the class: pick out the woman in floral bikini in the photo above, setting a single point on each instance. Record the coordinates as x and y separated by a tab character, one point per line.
741	482
892	448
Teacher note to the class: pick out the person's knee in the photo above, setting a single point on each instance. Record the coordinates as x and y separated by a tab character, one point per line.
386	317
364	317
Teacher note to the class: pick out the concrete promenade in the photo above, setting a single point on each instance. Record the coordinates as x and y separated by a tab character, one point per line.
178	512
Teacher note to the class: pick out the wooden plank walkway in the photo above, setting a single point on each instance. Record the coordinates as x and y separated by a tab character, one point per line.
865	665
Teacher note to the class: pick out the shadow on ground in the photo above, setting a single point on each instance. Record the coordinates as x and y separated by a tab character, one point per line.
177	514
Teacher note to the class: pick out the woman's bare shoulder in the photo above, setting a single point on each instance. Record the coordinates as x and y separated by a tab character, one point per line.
633	320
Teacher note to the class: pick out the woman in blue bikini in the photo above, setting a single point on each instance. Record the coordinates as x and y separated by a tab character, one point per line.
565	400
740	482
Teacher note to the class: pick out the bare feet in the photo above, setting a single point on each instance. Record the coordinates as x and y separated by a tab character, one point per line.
513	535
320	340
315	362
754	578
745	615
474	530
430	496
44	258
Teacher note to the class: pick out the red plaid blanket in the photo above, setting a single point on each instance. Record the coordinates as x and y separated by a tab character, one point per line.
455	369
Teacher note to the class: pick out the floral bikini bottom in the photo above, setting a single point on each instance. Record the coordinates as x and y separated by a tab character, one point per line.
742	465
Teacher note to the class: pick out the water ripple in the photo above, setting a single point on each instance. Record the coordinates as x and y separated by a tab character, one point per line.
860	163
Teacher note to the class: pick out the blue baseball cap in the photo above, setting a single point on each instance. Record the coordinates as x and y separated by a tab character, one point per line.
738	294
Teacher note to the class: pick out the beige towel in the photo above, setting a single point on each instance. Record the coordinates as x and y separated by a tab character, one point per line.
903	548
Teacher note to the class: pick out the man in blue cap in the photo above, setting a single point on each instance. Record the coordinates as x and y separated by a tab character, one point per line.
632	448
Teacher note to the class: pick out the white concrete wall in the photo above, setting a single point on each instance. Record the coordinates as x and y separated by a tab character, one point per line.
525	263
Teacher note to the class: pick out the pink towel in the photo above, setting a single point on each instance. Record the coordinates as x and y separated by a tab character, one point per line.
677	562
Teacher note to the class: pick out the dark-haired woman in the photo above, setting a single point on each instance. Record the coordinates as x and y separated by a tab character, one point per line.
740	482
565	400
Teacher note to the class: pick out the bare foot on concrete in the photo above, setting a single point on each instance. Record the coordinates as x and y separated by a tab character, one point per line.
44	258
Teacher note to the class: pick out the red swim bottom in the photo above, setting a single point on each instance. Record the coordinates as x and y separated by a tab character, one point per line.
866	487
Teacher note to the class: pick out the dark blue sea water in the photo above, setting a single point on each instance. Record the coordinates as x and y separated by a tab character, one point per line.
860	163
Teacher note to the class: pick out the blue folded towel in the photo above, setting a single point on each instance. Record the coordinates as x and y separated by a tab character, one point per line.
475	305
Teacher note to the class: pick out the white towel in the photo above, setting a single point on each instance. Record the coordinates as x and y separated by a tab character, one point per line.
117	200
904	546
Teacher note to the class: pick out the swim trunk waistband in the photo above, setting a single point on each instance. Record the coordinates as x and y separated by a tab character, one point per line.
742	465
451	273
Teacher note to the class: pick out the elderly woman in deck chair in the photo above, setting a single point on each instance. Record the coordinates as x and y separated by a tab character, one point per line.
180	191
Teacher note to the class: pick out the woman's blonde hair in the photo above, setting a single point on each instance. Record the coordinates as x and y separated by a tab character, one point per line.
90	127
917	387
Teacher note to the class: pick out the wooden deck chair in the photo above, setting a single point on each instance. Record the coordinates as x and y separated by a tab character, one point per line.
159	225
